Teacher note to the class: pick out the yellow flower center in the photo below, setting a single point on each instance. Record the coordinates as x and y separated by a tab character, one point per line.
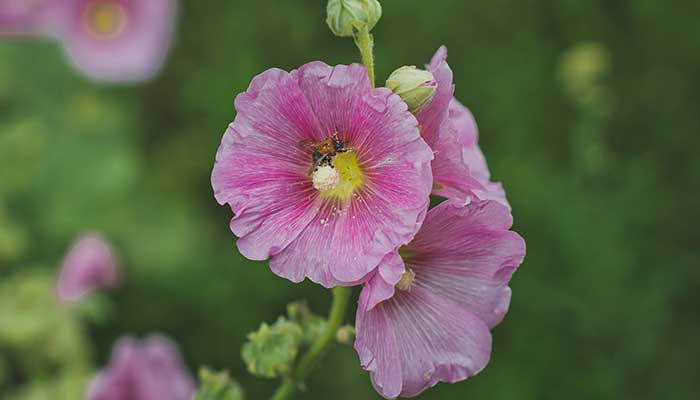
350	177
105	18
407	280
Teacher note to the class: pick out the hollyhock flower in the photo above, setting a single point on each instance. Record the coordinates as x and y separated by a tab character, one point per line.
425	315
323	173
21	17
151	369
88	266
117	40
459	168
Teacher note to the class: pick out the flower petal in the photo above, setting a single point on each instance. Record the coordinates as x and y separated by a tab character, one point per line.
451	172
381	286
464	127
416	339
474	266
261	169
434	114
143	370
88	266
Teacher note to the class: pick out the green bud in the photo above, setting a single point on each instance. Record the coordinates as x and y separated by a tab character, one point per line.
345	334
271	351
582	70
345	16
415	86
217	386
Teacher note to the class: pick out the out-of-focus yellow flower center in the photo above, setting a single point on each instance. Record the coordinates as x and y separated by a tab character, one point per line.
105	18
351	177
407	280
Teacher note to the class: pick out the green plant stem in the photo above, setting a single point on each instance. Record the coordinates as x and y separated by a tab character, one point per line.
341	297
365	43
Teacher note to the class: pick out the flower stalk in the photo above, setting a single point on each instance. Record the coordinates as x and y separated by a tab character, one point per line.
365	43
341	297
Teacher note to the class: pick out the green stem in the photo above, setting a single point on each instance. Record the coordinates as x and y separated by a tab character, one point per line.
365	42
341	297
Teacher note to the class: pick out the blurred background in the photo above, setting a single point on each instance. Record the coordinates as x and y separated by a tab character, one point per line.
589	113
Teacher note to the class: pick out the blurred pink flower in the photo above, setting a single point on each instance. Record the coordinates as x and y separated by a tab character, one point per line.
331	220
459	168
25	17
89	265
151	369
117	40
425	317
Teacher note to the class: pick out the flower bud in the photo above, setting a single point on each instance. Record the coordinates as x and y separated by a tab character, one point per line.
346	15
345	334
415	86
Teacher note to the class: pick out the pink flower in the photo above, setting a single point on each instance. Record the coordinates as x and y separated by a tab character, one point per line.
117	40
23	17
88	266
459	168
151	369
323	173
425	317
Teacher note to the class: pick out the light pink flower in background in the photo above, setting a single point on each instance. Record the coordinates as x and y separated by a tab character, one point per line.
89	265
25	17
425	316
459	168
151	369
335	220
117	40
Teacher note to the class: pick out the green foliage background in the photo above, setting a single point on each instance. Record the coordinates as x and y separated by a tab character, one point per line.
604	191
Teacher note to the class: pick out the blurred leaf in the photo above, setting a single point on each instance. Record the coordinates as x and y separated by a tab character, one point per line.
311	324
271	351
42	334
217	386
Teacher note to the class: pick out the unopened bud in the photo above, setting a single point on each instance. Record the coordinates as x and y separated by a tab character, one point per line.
344	16
345	334
415	86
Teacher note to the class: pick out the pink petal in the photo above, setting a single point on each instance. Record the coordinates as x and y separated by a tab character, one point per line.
451	170
151	369
434	114
417	339
88	266
261	170
464	127
381	286
473	267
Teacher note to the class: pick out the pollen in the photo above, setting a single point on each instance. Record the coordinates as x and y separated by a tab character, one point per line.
407	280
349	173
325	178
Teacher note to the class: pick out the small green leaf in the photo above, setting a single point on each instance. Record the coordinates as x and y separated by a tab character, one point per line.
271	351
217	386
311	324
